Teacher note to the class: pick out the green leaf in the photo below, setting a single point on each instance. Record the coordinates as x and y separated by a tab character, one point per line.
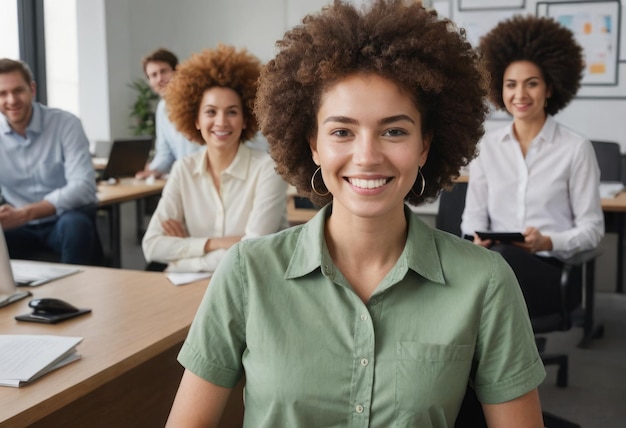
143	109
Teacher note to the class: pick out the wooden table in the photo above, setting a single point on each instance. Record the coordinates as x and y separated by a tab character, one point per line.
616	208
297	216
128	374
111	196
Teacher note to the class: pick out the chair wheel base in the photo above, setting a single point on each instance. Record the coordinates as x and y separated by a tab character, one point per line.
596	332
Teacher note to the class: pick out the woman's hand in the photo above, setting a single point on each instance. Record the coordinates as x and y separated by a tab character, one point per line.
173	227
534	241
486	243
224	242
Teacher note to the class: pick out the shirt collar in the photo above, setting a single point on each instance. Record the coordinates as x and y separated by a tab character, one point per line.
238	168
35	125
546	134
4	125
311	244
420	252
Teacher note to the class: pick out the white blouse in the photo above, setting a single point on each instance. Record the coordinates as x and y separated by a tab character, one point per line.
555	188
252	201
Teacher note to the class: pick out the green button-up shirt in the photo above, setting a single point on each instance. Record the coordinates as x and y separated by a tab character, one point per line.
315	355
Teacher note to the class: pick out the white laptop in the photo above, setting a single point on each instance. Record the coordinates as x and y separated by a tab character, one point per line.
8	289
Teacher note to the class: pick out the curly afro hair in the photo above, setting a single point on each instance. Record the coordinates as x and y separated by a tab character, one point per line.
225	67
424	55
542	41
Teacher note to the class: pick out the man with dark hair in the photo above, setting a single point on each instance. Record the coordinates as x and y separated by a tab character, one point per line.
171	145
46	175
160	56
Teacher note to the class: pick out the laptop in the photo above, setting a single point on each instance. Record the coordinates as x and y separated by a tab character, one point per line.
127	156
8	288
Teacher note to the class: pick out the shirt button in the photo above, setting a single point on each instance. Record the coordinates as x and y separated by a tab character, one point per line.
364	317
364	362
359	408
327	270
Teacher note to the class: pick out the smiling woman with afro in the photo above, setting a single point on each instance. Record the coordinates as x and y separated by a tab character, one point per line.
535	175
364	316
226	192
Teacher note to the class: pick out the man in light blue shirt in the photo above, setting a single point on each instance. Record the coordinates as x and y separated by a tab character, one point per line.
171	145
46	175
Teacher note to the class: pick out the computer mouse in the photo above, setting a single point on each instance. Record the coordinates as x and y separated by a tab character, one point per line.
51	306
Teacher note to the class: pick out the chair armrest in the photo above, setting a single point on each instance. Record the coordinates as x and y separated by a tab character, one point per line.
579	259
582	257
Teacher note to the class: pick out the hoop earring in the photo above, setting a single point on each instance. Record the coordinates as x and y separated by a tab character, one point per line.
545	105
419	174
319	168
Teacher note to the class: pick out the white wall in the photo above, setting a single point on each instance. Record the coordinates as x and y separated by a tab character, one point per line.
61	55
93	75
599	119
110	52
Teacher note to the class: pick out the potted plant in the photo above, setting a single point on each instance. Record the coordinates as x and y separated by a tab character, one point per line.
143	109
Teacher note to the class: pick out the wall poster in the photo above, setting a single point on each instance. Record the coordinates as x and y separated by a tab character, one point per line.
465	5
596	26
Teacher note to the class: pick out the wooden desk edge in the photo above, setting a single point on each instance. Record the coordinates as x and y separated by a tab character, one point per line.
295	215
57	397
125	192
63	398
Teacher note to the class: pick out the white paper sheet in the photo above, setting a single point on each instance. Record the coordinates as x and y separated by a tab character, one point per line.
181	278
24	358
610	189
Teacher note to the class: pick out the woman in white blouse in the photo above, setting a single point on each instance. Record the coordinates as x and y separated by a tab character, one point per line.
534	176
227	192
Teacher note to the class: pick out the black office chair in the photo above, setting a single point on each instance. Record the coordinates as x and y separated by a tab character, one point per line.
609	158
451	206
155	267
577	275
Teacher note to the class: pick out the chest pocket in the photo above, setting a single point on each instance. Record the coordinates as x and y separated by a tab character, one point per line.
51	172
430	382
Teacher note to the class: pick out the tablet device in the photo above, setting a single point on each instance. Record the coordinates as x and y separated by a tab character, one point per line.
503	237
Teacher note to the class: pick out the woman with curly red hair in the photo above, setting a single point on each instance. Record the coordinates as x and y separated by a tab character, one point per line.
535	175
227	192
365	316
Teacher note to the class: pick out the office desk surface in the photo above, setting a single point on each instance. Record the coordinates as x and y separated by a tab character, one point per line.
616	204
127	189
136	317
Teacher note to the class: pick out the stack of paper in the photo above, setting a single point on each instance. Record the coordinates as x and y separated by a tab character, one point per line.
24	358
610	189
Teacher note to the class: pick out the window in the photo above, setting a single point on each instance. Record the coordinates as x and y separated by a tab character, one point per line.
61	54
43	33
9	42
